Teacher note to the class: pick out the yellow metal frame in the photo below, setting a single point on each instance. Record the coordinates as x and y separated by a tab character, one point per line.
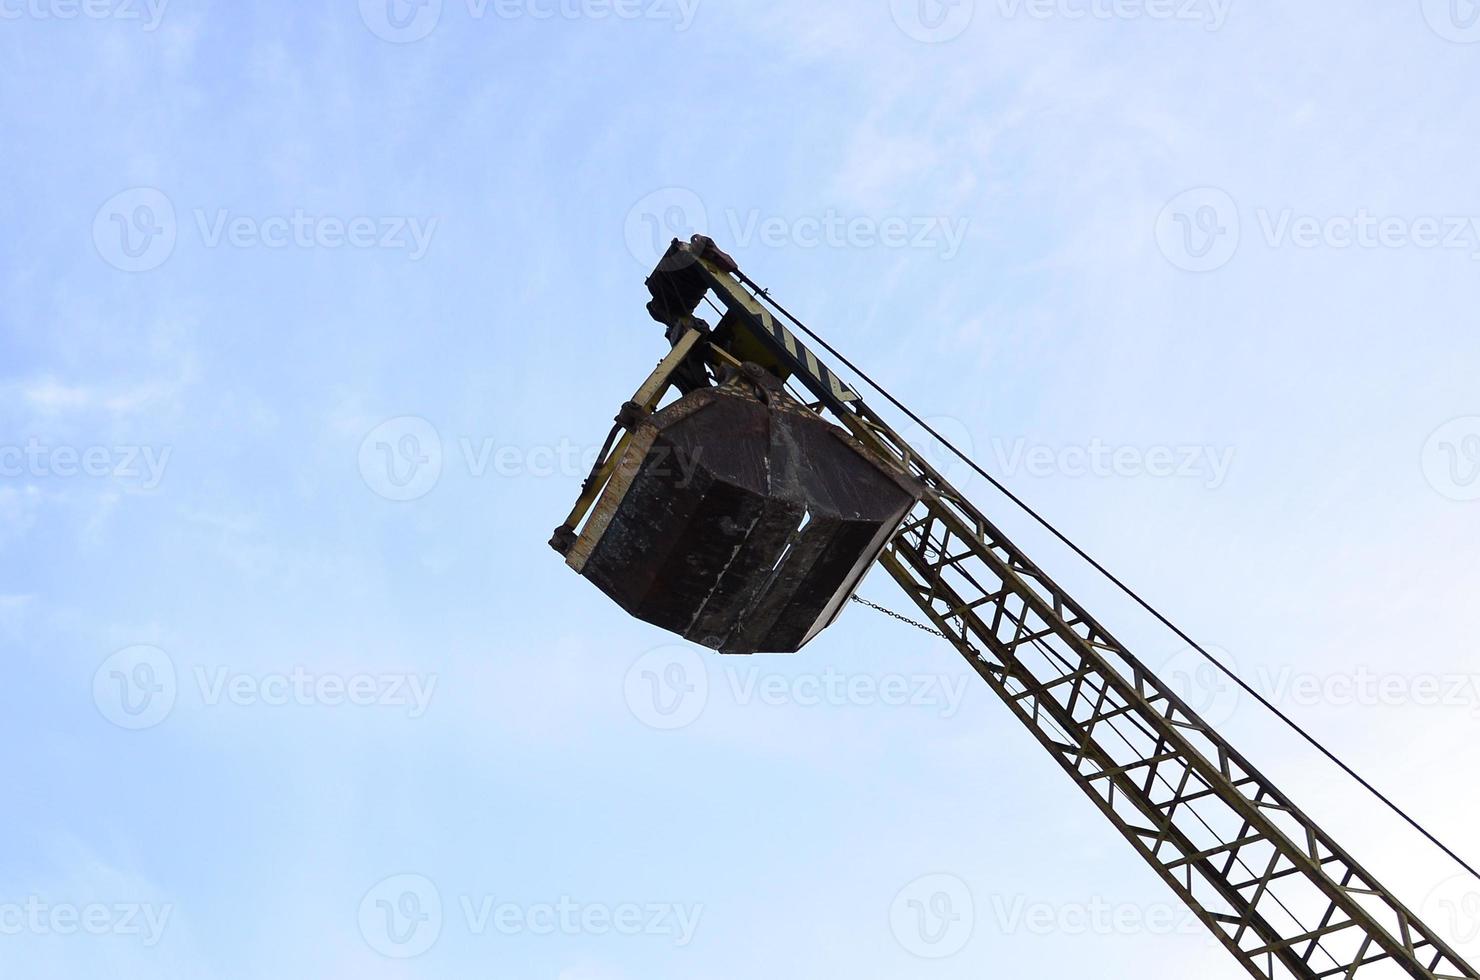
647	397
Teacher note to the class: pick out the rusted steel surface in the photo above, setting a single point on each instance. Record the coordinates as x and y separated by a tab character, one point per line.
740	520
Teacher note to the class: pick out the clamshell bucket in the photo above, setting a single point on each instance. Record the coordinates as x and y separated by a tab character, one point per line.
740	520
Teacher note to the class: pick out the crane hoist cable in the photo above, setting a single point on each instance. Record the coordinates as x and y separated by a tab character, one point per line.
1114	580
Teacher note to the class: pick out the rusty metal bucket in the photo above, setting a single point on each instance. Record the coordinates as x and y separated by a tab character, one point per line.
740	520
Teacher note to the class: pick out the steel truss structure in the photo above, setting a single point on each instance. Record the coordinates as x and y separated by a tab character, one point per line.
1271	885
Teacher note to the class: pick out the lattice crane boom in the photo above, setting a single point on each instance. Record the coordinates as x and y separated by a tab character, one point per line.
1284	898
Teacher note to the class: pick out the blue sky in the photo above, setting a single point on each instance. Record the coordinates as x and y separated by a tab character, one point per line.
312	310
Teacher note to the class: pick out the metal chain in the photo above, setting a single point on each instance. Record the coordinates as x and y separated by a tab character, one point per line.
903	619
